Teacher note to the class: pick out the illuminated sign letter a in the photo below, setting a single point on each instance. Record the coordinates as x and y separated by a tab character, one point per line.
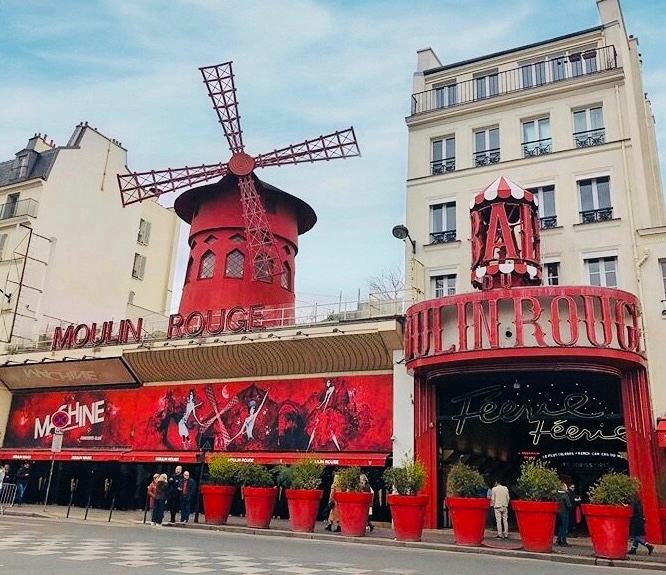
499	236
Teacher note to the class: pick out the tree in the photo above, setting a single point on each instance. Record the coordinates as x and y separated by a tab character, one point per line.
389	285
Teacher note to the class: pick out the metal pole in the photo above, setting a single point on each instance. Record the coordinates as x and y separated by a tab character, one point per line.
196	501
145	508
113	503
90	488
48	485
72	489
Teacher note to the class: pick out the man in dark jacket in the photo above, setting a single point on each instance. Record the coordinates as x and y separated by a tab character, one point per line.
187	488
22	478
563	511
173	495
637	528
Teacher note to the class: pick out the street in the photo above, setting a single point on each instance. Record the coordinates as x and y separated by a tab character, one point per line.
39	546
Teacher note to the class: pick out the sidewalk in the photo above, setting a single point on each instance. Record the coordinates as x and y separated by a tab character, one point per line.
580	551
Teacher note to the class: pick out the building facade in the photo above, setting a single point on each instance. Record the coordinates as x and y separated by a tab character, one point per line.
567	120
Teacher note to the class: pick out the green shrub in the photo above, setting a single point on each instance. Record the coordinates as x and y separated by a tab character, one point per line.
537	482
223	471
465	481
407	479
306	474
614	489
255	475
349	479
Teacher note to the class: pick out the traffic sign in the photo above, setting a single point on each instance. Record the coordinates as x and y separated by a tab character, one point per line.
60	419
56	442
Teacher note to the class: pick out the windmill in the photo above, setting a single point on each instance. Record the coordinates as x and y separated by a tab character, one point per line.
260	251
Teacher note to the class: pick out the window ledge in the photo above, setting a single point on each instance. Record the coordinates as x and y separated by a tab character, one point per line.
453	243
543	230
613	221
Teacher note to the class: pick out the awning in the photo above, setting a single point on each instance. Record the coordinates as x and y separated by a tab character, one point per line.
159	457
331	459
64	455
661	433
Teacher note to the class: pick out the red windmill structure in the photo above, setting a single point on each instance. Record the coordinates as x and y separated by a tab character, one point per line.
247	225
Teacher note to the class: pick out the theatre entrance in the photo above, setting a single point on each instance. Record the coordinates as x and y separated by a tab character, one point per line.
494	421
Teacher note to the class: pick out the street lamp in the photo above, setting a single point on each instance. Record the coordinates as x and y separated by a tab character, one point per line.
402	233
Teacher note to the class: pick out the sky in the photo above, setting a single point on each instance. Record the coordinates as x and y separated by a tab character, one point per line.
303	68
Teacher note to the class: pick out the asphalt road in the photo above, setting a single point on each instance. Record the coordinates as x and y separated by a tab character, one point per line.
38	546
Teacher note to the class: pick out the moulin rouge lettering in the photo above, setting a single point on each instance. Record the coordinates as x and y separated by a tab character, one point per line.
79	416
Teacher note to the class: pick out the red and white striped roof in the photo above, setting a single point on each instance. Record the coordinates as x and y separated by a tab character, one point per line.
503	188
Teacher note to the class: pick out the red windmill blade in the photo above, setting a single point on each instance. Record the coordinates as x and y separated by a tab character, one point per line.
219	80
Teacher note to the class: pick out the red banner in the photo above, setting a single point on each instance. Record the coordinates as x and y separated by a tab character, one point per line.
317	414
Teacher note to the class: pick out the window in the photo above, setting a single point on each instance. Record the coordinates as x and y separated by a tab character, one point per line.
188	272
9	209
536	137
558	68
546	198
446	96
130	298
3	243
263	266
235	264
533	74
443	155
139	267
443	285
207	266
585	63
595	201
285	277
589	127
443	223
237	239
551	275
486	86
602	271
144	232
486	147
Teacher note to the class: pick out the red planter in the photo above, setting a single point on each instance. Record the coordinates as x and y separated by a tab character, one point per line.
259	504
408	513
303	508
217	500
609	529
353	509
468	515
536	523
662	515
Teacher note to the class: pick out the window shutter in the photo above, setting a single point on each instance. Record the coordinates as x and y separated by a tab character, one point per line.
3	241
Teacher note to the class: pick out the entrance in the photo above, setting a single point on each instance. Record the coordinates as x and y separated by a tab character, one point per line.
494	421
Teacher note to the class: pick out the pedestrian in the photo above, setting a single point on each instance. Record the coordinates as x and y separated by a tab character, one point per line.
159	500
152	486
333	515
367	488
187	488
499	501
563	512
4	474
22	478
575	513
173	493
637	528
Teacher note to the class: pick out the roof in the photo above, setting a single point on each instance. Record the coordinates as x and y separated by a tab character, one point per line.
39	169
511	50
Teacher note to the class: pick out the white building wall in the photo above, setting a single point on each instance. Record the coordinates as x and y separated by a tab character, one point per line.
403	409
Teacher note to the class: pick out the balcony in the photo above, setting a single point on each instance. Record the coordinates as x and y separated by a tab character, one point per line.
590	138
444	237
486	158
17	209
554	70
600	215
537	148
442	166
548	222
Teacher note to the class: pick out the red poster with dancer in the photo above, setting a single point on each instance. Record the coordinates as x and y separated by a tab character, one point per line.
351	413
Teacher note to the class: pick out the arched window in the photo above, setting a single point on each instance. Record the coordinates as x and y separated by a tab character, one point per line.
285	276
263	266
188	272
207	265
234	264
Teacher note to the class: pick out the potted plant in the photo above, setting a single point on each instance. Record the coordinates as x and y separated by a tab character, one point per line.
219	494
259	493
352	501
467	502
301	482
407	506
536	510
608	514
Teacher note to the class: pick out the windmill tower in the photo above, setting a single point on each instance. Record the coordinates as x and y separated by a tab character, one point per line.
243	232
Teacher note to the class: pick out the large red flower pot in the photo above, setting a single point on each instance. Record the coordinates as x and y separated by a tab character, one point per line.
536	523
217	500
303	507
353	509
609	529
468	515
408	513
259	504
662	515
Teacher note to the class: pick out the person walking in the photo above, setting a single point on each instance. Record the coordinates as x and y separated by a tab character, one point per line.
563	511
637	528
173	493
499	501
187	489
367	488
333	515
152	486
22	479
159	500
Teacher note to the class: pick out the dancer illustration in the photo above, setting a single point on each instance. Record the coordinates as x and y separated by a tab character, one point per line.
248	425
184	424
325	417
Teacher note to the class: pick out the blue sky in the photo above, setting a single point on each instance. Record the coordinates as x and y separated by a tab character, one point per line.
303	68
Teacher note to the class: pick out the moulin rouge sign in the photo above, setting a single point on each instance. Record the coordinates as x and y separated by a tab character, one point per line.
196	324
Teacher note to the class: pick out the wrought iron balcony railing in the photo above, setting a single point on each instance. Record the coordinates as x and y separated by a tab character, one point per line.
444	237
554	68
442	166
600	215
548	222
537	147
590	138
20	208
486	157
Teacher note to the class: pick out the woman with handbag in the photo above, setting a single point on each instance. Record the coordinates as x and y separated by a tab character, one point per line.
333	515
